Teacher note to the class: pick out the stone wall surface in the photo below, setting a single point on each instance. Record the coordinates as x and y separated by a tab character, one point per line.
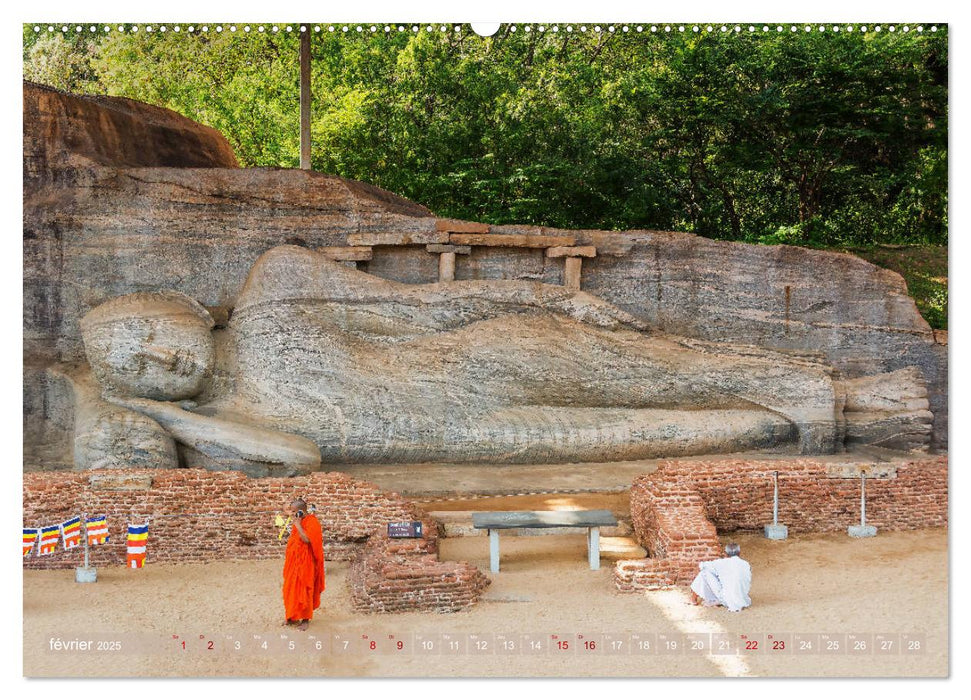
196	515
121	197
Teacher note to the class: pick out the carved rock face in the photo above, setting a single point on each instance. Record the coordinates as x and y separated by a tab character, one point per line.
499	371
154	345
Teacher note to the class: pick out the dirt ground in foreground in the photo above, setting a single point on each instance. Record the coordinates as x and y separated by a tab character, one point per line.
893	584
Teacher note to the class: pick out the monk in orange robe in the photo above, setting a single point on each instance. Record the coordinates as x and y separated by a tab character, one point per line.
303	568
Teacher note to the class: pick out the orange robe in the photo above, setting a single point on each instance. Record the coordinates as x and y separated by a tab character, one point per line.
303	571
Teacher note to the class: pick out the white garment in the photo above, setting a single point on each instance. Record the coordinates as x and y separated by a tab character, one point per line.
725	581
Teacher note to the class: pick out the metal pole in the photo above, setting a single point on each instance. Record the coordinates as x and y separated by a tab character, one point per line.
305	97
775	499
863	499
85	574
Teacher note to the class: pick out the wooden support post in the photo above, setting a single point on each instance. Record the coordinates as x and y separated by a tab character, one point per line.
305	98
446	258
571	272
446	267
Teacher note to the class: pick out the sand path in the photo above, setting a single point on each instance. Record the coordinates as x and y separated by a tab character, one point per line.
895	583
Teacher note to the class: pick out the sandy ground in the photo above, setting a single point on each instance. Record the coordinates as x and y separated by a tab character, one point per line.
893	584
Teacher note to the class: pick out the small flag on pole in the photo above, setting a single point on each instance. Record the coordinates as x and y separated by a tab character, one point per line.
48	538
97	530
30	539
137	545
71	532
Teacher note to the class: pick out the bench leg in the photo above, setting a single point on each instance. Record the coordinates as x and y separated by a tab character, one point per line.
593	547
493	550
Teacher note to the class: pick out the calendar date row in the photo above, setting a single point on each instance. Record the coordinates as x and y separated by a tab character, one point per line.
556	643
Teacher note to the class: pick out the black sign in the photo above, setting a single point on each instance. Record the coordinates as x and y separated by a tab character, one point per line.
404	530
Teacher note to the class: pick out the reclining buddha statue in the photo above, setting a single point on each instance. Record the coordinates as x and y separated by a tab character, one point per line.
321	363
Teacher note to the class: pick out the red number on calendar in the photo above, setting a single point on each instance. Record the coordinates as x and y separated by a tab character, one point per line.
373	645
779	645
751	645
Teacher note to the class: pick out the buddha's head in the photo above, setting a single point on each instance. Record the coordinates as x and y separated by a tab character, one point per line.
154	345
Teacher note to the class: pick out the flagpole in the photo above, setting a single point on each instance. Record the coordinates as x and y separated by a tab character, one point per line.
85	574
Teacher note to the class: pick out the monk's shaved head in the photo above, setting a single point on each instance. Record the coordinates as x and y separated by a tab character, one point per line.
298	504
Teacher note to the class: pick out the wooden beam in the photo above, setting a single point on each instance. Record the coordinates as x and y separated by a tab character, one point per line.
510	240
585	251
305	98
389	238
459	226
350	252
446	248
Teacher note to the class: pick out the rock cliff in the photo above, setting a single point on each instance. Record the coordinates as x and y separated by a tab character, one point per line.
122	197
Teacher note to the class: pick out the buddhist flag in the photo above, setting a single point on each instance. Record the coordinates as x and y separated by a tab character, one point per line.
48	538
137	545
30	538
71	532
97	530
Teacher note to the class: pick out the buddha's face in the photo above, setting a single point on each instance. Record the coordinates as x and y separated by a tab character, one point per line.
150	345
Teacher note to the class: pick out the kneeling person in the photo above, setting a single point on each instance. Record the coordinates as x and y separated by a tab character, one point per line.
724	581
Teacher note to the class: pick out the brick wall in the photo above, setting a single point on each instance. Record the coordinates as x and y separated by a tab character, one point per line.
405	575
676	509
197	515
738	493
671	522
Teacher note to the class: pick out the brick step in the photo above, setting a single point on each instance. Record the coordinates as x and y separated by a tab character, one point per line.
458	523
621	548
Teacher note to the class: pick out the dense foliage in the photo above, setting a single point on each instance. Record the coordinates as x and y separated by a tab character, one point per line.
812	138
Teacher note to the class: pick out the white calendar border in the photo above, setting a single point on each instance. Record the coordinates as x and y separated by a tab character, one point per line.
482	11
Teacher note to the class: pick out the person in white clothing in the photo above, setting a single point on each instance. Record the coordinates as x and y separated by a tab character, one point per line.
724	581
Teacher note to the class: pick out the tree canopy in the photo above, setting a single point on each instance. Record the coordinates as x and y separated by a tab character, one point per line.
812	138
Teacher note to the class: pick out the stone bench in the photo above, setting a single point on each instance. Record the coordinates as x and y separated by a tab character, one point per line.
593	520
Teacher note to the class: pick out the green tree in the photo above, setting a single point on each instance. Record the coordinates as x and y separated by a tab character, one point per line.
817	138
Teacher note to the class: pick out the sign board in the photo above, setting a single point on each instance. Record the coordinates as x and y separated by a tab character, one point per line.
404	530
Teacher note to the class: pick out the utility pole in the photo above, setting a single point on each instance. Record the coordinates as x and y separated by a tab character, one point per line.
305	97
